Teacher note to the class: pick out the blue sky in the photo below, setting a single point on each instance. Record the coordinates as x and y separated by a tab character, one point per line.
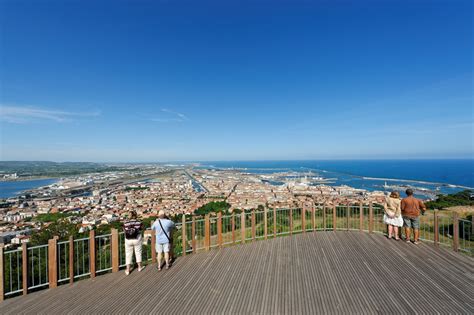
193	80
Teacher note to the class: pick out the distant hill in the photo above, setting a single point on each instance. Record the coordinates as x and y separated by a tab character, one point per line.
53	169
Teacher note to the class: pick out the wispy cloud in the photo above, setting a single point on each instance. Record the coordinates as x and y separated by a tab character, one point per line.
26	114
170	116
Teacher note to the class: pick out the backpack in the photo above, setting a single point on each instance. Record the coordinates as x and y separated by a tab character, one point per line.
131	232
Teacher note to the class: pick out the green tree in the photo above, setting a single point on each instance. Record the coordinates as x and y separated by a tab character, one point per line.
462	198
61	228
213	206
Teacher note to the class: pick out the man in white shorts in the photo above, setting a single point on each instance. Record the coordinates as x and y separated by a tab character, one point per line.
163	228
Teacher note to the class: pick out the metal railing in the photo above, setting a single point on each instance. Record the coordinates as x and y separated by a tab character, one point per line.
82	257
466	236
12	271
31	268
37	266
103	259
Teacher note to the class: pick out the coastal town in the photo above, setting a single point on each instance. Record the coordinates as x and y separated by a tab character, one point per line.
91	200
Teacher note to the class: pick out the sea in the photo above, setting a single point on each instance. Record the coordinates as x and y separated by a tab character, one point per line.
12	188
434	176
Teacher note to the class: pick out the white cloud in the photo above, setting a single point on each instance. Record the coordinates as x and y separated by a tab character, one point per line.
26	114
170	116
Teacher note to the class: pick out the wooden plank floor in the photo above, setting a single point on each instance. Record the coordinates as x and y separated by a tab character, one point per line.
323	272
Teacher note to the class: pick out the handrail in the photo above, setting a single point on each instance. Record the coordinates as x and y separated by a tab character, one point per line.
31	268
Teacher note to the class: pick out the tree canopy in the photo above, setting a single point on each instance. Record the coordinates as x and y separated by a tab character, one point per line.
213	206
462	198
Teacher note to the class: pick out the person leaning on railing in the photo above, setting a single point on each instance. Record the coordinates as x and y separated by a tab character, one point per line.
393	214
411	208
133	241
163	228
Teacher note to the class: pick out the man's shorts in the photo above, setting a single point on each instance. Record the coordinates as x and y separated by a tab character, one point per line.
160	248
411	222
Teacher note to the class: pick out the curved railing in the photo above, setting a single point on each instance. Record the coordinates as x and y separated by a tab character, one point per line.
30	268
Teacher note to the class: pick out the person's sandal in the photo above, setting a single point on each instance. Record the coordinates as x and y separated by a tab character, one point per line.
167	267
140	268
416	242
127	272
159	268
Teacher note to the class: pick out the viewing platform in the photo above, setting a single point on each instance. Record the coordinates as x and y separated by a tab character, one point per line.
330	272
313	259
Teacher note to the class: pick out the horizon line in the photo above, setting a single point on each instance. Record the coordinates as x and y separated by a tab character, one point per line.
249	160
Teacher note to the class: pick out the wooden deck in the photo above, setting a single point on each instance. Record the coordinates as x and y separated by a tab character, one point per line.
323	272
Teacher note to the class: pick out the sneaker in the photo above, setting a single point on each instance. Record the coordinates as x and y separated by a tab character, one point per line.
416	242
140	268
127	272
167	267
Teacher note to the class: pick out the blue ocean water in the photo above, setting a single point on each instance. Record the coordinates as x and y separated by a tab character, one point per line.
373	174
12	188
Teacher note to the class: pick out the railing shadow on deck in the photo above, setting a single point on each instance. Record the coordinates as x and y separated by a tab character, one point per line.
59	262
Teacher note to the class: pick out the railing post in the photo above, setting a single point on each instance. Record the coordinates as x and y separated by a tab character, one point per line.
115	249
348	215
324	217
52	263
92	253
291	221
207	232
253	225
153	246
232	219
265	223
455	231
371	218
183	234
219	229
313	216
242	226
436	228
334	218
303	218
193	232
24	267
274	222
472	228
71	259
2	270
361	216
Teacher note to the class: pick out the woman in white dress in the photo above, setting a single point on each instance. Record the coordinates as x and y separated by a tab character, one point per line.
393	214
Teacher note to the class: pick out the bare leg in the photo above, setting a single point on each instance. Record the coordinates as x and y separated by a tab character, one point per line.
407	234
167	259
390	230
159	260
417	235
395	231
